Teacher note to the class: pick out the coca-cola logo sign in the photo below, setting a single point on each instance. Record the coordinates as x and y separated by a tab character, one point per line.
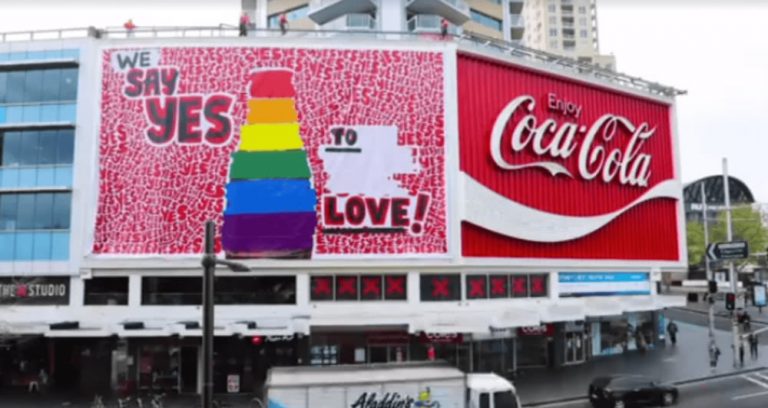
553	166
558	141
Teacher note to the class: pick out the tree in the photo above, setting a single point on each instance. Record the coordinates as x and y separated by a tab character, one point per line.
694	232
747	226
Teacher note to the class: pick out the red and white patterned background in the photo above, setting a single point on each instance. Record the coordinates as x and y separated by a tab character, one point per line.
155	200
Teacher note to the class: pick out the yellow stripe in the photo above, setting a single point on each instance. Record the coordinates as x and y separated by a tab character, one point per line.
272	110
270	137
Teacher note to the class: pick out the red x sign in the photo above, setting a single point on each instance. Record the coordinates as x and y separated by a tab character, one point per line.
499	286
322	286
372	286
347	286
395	285
441	287
537	285
476	287
519	285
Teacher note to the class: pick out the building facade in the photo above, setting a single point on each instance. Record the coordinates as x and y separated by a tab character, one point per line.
565	27
495	19
394	200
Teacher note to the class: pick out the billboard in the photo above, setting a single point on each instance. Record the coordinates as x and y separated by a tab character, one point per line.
295	153
585	284
556	168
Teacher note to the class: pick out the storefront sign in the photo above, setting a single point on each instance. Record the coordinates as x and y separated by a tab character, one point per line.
34	291
326	153
547	330
583	284
233	383
441	338
535	151
758	295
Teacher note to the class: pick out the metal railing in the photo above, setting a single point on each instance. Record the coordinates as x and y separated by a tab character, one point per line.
474	40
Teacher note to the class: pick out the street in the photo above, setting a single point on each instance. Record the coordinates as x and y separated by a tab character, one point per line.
743	391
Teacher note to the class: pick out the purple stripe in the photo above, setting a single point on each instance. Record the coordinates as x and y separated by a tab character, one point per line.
253	233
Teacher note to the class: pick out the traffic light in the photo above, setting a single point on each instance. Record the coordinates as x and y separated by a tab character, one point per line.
730	301
712	287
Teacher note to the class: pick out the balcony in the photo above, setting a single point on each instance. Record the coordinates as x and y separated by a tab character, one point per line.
567	9
360	22
516	28
425	23
454	11
325	11
516	6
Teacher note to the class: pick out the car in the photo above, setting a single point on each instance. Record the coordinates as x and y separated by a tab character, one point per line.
620	391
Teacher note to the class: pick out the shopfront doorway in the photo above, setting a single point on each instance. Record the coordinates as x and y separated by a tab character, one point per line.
189	369
575	348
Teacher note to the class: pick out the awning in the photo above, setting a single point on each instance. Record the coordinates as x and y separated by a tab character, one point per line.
563	310
455	322
663	301
638	304
512	318
602	306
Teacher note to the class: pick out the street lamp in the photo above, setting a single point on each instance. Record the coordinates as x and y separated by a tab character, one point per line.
209	268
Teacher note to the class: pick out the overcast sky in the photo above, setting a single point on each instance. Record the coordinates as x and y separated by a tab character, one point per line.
714	49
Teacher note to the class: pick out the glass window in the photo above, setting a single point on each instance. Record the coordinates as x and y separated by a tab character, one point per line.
290	15
583	21
68	84
28	149
62	203
264	290
552	8
15	87
485	401
3	89
65	139
51	84
504	399
553	32
583	33
552	20
553	44
33	86
582	10
11	146
476	286
8	212
106	291
485	20
171	291
43	210
25	212
46	147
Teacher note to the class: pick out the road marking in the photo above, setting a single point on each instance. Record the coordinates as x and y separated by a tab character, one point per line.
757	394
754	381
763	376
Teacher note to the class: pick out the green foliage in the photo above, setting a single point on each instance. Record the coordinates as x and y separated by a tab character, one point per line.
747	226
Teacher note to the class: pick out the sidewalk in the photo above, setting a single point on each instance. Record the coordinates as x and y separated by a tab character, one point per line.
59	401
754	312
687	360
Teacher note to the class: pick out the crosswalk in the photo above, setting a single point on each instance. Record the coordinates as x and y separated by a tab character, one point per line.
757	378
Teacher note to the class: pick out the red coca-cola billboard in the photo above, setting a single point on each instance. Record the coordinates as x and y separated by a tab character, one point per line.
554	167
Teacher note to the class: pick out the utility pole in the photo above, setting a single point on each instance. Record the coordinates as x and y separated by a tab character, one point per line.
209	267
731	268
710	278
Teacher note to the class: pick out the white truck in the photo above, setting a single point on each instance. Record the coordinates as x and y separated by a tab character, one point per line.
399	385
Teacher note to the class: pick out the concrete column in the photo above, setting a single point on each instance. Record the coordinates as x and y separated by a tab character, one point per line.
134	290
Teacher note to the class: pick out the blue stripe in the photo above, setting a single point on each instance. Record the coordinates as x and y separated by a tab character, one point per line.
602	277
270	196
590	294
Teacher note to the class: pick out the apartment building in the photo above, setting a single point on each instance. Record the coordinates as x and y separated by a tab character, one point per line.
498	19
565	27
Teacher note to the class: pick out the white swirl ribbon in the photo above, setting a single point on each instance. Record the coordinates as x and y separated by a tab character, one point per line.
492	211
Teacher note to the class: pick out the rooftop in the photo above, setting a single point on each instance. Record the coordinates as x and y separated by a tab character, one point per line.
566	64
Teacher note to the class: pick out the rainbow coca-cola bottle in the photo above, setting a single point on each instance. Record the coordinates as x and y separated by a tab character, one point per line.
271	201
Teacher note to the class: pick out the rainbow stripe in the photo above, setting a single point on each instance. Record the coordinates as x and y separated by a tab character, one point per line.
270	199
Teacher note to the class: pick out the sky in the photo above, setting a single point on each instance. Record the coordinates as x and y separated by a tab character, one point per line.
713	49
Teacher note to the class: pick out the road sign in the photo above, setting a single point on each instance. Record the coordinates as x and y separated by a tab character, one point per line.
728	250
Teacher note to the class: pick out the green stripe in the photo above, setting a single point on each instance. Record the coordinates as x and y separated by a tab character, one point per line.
290	164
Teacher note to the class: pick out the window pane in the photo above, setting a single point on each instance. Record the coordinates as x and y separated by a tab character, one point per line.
51	84
33	86
28	148
46	147
7	212
68	84
3	89
66	144
15	87
62	203
25	212
43	210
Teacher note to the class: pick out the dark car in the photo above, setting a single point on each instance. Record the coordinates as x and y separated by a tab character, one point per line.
630	391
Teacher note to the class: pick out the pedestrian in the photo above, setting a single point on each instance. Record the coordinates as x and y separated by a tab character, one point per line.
129	27
714	354
747	322
283	23
444	27
672	330
741	353
753	346
245	20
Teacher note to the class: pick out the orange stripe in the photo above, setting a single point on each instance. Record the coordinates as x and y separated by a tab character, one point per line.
272	110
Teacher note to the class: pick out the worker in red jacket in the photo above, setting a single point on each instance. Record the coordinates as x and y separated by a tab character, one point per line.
444	27
129	27
283	23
